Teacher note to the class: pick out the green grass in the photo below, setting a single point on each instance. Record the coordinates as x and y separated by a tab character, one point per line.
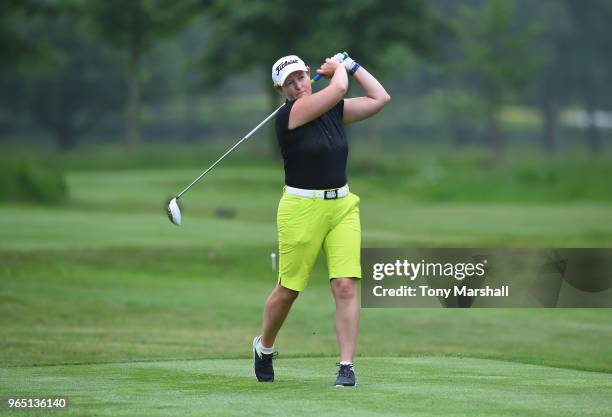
24	180
104	301
81	306
395	171
424	386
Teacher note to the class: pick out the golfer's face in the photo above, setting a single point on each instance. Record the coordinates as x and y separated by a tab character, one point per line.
297	85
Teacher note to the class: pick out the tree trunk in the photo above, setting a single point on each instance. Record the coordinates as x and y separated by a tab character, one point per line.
594	137
550	116
133	109
593	134
65	137
269	129
64	134
459	133
374	145
496	135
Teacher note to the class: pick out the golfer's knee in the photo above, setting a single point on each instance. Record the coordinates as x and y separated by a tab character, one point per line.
344	288
286	295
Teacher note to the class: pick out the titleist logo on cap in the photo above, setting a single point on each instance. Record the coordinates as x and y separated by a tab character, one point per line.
284	64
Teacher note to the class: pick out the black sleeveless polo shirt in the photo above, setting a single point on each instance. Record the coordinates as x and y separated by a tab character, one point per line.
315	153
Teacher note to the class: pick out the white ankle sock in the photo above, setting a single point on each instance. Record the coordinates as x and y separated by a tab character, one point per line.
265	350
346	363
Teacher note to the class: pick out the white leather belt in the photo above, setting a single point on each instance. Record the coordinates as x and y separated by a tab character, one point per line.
324	194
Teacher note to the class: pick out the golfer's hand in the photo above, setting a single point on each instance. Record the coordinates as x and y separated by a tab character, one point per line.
339	57
346	60
330	66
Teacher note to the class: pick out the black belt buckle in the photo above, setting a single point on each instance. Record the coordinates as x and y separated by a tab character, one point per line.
331	194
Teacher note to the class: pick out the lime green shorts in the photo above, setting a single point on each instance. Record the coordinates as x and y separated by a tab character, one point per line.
305	225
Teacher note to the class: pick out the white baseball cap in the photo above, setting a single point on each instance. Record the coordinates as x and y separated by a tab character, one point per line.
285	66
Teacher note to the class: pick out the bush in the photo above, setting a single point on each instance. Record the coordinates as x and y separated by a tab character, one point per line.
23	180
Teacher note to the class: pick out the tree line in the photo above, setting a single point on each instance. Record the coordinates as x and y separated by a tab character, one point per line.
68	65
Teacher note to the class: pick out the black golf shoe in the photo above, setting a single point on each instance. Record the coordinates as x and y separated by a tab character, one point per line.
346	376
264	371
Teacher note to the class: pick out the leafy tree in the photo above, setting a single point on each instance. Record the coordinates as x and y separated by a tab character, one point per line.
575	72
253	34
591	55
495	57
550	86
14	46
71	90
134	26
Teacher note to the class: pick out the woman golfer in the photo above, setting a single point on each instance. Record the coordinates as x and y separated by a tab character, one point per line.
317	211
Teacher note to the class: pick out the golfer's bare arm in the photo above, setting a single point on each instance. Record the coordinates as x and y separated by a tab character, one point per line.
359	108
310	107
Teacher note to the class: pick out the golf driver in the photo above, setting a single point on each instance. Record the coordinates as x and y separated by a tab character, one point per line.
174	210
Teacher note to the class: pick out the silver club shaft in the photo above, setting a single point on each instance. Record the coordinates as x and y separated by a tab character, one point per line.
230	150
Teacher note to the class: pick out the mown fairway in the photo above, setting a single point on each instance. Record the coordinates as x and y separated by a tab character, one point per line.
104	301
424	386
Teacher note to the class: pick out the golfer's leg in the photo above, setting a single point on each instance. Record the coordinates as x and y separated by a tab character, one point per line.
299	243
275	311
342	248
347	315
